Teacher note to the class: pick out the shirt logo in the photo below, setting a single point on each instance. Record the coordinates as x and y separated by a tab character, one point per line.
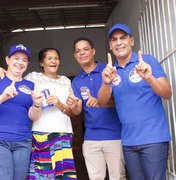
134	76
116	80
25	89
85	92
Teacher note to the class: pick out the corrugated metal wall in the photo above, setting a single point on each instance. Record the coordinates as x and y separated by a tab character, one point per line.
157	27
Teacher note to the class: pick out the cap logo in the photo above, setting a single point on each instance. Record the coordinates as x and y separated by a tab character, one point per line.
21	47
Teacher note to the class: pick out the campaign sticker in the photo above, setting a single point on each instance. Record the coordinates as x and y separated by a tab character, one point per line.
25	89
116	80
85	92
134	76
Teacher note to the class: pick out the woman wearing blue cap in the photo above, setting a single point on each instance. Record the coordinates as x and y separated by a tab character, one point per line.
18	106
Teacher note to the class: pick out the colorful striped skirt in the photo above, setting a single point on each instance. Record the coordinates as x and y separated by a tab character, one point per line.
52	157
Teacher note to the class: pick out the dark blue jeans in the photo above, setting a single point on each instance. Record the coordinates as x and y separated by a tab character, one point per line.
146	162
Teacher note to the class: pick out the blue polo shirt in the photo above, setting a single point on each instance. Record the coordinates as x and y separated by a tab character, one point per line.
140	110
15	124
100	123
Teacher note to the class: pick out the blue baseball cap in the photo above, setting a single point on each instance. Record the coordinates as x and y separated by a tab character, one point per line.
19	48
122	27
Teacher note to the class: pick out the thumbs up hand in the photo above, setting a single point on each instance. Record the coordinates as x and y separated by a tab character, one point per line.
109	73
143	69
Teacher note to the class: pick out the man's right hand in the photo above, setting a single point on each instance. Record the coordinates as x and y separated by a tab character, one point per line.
109	73
2	73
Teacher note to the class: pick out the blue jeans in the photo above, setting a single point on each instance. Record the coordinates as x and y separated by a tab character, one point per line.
14	159
146	162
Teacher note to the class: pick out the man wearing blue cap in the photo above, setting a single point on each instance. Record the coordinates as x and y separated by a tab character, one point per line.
138	83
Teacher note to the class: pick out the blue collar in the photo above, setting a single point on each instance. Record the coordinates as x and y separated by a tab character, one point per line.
134	58
96	70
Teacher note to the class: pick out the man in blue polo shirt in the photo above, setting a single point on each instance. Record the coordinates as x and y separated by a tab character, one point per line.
138	83
102	139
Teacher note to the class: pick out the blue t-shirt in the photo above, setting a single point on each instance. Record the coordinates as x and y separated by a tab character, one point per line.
139	108
14	120
100	123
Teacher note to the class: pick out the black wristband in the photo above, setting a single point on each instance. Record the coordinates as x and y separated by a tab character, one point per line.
37	106
106	84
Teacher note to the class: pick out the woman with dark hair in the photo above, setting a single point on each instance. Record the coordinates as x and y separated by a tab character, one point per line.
52	156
